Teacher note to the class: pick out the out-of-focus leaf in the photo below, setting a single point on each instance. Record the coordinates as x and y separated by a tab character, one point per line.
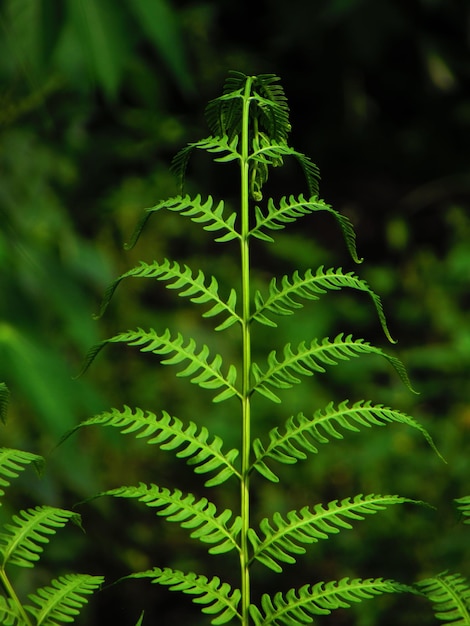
159	21
102	36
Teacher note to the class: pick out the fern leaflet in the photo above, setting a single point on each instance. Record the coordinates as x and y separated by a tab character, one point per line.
9	612
193	287
12	462
450	594
298	605
311	358
270	153
189	513
292	208
201	451
24	539
283	538
4	401
222	601
197	211
209	144
61	601
204	373
268	105
463	504
282	300
301	434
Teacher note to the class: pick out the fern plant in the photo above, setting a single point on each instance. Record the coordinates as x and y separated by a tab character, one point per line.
450	593
249	126
22	541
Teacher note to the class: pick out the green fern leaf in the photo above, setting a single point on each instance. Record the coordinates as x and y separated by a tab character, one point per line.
203	373
219	598
12	462
282	300
463	504
169	433
284	538
292	208
216	145
311	358
268	105
298	605
194	287
9	613
201	515
24	539
4	401
61	602
302	435
197	211
450	594
272	152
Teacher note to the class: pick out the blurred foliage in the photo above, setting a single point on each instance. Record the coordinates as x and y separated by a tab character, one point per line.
95	98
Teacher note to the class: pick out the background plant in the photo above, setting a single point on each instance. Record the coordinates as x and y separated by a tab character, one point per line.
250	126
22	540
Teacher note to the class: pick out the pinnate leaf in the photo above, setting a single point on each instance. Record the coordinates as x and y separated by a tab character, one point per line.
61	601
190	286
209	527
450	594
12	462
219	597
205	373
290	209
198	211
169	433
283	299
284	538
311	358
301	435
23	539
298	606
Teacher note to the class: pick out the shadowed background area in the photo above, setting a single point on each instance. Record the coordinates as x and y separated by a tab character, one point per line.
95	99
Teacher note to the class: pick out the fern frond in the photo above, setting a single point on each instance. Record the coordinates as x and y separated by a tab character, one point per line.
283	300
4	402
204	373
274	152
268	105
24	539
9	613
272	108
219	144
193	287
450	594
169	433
201	515
220	598
311	358
290	209
463	505
61	602
299	605
283	538
12	462
197	211
302	435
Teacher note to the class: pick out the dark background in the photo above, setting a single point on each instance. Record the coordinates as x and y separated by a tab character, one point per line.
95	99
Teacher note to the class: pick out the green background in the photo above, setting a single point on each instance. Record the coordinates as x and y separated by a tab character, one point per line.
95	99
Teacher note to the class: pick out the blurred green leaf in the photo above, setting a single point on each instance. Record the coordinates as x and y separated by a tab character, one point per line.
160	22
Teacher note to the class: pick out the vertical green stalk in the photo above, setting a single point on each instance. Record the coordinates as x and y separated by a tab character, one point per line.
246	347
10	593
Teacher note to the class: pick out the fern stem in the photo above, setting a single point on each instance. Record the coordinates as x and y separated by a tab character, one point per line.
10	592
246	347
